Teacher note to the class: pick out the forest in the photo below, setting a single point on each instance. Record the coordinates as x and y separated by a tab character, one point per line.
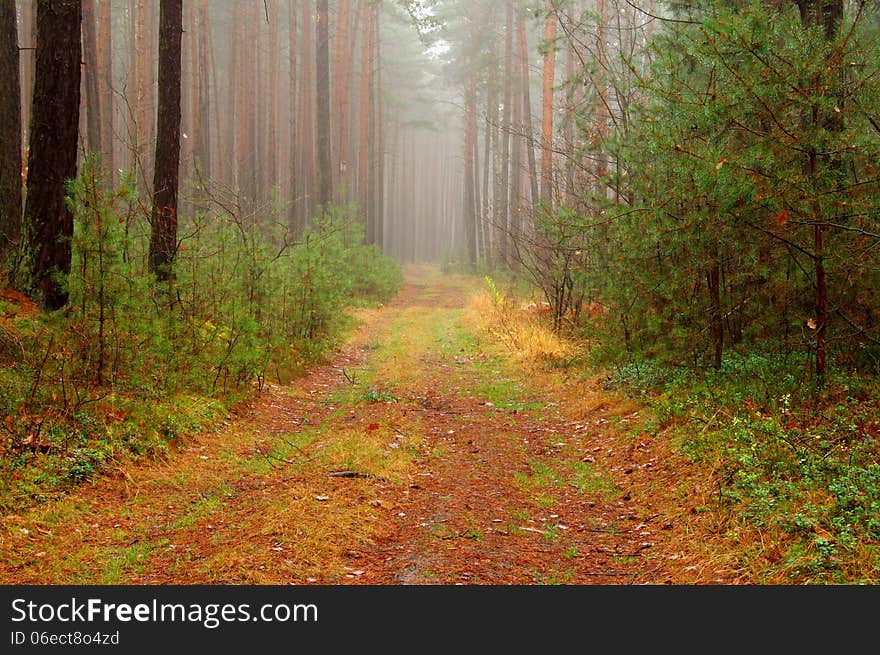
440	291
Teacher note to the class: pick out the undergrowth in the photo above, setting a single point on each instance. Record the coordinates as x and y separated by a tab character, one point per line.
131	366
797	469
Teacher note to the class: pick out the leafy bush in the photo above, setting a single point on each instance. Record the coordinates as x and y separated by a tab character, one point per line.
131	365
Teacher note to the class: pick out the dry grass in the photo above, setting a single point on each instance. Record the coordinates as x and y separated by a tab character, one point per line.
522	332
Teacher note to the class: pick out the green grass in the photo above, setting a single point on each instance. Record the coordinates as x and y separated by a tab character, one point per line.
587	479
797	464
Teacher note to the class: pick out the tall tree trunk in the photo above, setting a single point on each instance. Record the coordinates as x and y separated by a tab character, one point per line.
380	144
603	113
372	146
45	254
525	127
341	80
163	235
550	23
491	119
478	200
307	113
469	209
256	96
502	216
514	201
10	133
203	145
322	71
190	92
570	117
105	87
364	116
27	57
230	129
92	73
293	182
272	144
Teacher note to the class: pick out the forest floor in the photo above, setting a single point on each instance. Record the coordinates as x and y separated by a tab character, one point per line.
416	455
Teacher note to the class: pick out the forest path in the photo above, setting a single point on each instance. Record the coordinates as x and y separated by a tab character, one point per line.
414	456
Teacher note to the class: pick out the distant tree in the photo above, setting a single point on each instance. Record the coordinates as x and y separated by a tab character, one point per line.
10	131
203	145
91	72
365	117
163	234
306	115
105	83
550	23
45	253
322	82
294	182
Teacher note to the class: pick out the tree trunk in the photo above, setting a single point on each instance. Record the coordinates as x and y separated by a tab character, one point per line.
502	219
272	143
190	93
105	86
163	235
10	133
92	73
27	57
203	145
45	255
380	145
470	127
547	106
230	132
341	80
514	202
307	113
364	117
715	313
322	71
372	146
571	98
293	182
525	127
491	119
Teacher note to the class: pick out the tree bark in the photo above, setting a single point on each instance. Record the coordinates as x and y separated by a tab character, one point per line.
547	106
272	144
341	81
105	86
10	133
502	222
94	118
322	80
364	117
163	235
380	145
27	58
307	114
293	182
203	145
525	126
469	209
45	254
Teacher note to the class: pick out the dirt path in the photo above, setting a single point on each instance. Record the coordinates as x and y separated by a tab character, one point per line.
412	457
